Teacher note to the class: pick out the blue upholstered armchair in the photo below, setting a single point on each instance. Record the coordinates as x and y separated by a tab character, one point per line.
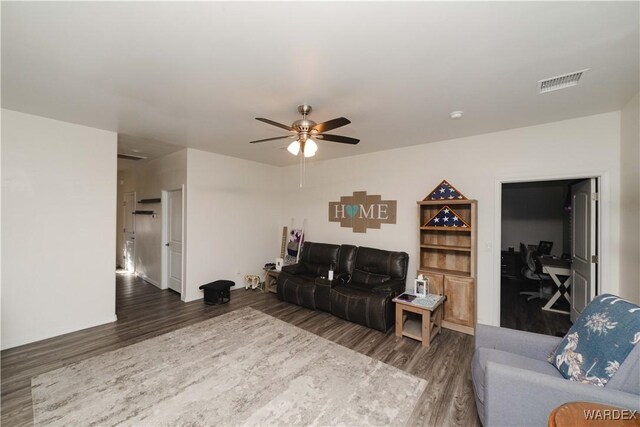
514	383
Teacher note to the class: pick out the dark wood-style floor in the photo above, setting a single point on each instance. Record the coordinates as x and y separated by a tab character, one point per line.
145	311
518	313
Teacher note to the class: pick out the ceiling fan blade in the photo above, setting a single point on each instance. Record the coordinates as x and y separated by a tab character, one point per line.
338	138
331	124
271	122
272	139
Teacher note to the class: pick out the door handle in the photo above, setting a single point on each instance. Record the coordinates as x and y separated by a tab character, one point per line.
166	244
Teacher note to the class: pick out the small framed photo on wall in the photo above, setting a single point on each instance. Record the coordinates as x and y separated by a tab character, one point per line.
421	287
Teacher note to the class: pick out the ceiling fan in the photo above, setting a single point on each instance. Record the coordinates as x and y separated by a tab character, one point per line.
305	131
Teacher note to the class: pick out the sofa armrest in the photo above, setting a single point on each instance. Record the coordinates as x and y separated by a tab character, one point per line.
395	287
528	344
515	396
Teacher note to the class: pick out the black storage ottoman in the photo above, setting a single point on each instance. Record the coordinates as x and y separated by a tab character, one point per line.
217	292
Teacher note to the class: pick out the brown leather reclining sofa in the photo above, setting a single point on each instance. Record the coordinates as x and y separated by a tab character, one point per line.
365	280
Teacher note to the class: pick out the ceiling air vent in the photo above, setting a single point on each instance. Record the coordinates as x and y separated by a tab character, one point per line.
130	157
560	82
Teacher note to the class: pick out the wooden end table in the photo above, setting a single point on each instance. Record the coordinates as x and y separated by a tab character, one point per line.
424	331
271	281
592	415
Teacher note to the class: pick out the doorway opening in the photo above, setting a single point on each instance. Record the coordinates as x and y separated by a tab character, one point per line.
549	248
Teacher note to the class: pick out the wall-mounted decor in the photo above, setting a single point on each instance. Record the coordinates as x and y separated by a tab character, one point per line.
362	211
147	201
445	191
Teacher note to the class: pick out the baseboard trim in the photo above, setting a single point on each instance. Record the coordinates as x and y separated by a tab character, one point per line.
459	328
149	280
64	331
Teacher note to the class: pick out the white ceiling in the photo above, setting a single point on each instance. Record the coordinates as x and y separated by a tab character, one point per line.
196	74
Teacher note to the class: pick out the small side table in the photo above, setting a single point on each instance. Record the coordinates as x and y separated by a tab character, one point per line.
424	331
271	281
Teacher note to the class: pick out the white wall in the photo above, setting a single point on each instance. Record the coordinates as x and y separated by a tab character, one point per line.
233	219
59	193
630	201
532	212
474	165
148	179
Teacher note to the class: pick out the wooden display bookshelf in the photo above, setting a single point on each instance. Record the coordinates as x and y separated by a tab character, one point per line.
447	256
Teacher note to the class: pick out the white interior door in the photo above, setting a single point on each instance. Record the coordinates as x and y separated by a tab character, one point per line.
174	244
129	230
583	251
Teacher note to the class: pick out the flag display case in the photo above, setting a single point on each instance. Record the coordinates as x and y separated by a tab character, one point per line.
447	253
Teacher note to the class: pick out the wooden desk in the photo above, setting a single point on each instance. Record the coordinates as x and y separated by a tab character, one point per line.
425	331
593	415
554	268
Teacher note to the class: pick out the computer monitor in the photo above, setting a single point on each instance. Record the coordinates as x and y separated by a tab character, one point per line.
544	247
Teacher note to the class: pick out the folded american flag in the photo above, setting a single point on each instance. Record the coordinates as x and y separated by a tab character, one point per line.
447	217
445	191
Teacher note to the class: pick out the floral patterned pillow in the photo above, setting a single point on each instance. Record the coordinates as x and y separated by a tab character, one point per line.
599	341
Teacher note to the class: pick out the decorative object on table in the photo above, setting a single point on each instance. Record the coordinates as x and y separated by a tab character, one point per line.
304	130
445	191
409	297
446	217
361	211
421	287
428	301
295	368
218	292
447	254
279	264
599	341
251	281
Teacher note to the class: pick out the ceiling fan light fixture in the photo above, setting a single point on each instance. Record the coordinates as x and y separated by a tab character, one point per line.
294	148
310	148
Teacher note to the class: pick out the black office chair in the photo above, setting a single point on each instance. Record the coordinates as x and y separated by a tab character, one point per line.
532	271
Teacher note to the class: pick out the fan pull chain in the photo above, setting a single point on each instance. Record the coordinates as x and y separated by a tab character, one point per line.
302	168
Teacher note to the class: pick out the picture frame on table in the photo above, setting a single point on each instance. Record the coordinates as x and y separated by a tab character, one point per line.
421	287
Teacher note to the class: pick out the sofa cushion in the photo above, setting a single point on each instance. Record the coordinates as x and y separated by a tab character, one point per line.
599	341
365	278
377	261
347	259
314	254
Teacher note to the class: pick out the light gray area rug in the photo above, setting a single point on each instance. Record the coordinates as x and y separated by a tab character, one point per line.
241	368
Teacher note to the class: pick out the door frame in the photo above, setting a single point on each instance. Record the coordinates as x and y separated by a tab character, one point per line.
164	259
603	230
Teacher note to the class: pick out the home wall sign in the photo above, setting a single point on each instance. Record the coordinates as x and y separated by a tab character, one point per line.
362	211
